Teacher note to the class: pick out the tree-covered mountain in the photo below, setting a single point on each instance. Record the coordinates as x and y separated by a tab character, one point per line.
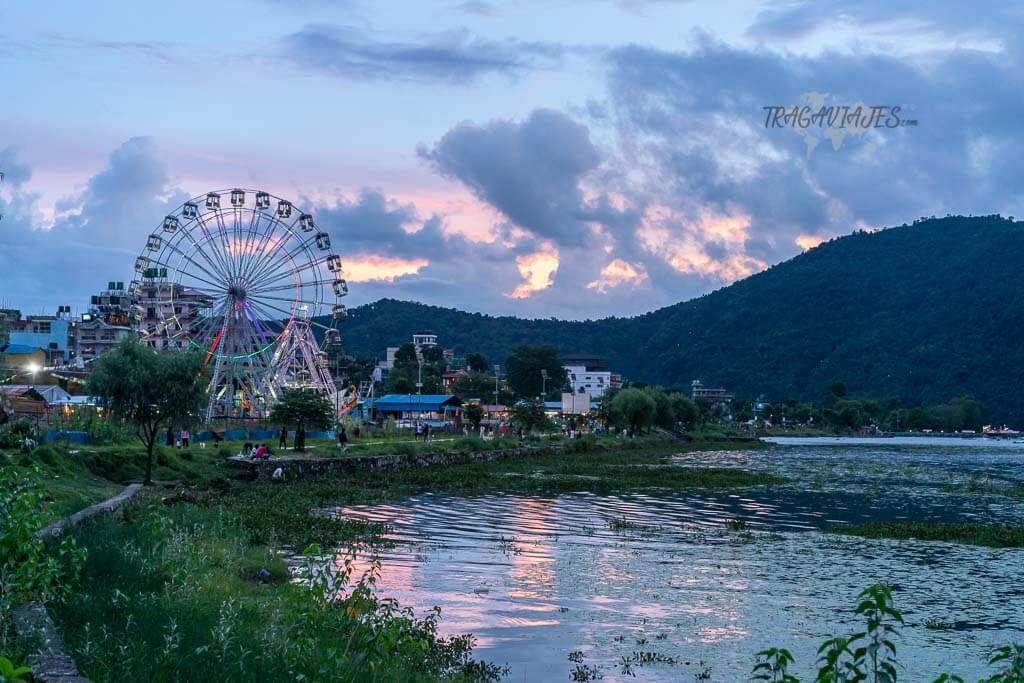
921	312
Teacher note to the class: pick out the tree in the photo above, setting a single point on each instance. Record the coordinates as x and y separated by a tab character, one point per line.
476	362
664	416
529	414
403	375
473	412
523	368
473	385
151	390
402	378
684	409
302	408
632	408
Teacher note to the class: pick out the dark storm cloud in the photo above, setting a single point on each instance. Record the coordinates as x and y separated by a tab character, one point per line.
530	171
372	224
454	57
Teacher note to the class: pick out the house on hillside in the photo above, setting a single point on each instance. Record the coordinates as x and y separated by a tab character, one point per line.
589	374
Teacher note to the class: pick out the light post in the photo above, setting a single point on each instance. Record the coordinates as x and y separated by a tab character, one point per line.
543	384
419	391
497	370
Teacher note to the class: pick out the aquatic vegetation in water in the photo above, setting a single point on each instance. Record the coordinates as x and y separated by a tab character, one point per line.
938	625
971	533
870	655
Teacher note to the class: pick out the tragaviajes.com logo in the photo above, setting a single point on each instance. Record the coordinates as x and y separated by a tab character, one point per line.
818	118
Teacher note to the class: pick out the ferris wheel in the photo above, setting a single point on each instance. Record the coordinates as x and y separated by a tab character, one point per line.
238	274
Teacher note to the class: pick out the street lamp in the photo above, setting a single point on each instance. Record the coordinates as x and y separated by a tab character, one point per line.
544	384
497	370
419	390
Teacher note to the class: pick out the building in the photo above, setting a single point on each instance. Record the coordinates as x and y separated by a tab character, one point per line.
169	312
51	393
113	306
421	339
430	407
713	395
23	360
717	399
589	374
54	334
24	401
575	403
96	336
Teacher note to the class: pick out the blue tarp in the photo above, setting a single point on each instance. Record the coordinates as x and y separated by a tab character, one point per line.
55	435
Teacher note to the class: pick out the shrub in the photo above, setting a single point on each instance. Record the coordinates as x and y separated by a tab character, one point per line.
28	569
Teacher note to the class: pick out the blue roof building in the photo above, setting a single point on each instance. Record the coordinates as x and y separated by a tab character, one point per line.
437	406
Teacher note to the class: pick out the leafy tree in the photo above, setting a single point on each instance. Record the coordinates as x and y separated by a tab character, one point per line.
523	368
684	409
476	362
474	385
154	391
529	414
838	389
302	408
473	412
632	408
664	416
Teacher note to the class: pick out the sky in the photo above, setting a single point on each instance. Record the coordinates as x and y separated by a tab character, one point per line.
567	158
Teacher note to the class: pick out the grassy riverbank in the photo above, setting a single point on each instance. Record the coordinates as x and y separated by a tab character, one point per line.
201	585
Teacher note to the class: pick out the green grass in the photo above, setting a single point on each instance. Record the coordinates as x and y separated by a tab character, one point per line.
968	533
177	594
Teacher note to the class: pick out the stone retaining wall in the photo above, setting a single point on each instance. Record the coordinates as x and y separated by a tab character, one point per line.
308	468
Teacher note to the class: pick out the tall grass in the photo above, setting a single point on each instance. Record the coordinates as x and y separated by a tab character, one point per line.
186	594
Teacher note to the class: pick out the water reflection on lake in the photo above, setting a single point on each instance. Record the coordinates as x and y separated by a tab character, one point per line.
535	578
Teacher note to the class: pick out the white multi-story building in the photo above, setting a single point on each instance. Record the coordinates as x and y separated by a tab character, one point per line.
589	374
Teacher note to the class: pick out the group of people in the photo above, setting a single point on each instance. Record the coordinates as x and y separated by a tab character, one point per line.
182	441
260	451
423	431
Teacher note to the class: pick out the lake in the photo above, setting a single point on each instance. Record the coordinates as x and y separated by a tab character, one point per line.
699	582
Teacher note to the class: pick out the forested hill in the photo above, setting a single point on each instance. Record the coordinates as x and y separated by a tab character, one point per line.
921	312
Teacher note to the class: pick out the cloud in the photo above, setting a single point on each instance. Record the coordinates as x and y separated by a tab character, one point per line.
690	127
797	18
453	57
95	236
373	268
808	242
530	171
616	273
478	8
538	270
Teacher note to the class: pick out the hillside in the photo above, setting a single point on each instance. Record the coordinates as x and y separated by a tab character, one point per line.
921	312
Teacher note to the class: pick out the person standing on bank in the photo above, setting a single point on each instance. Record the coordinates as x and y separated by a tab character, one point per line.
184	438
342	438
282	439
